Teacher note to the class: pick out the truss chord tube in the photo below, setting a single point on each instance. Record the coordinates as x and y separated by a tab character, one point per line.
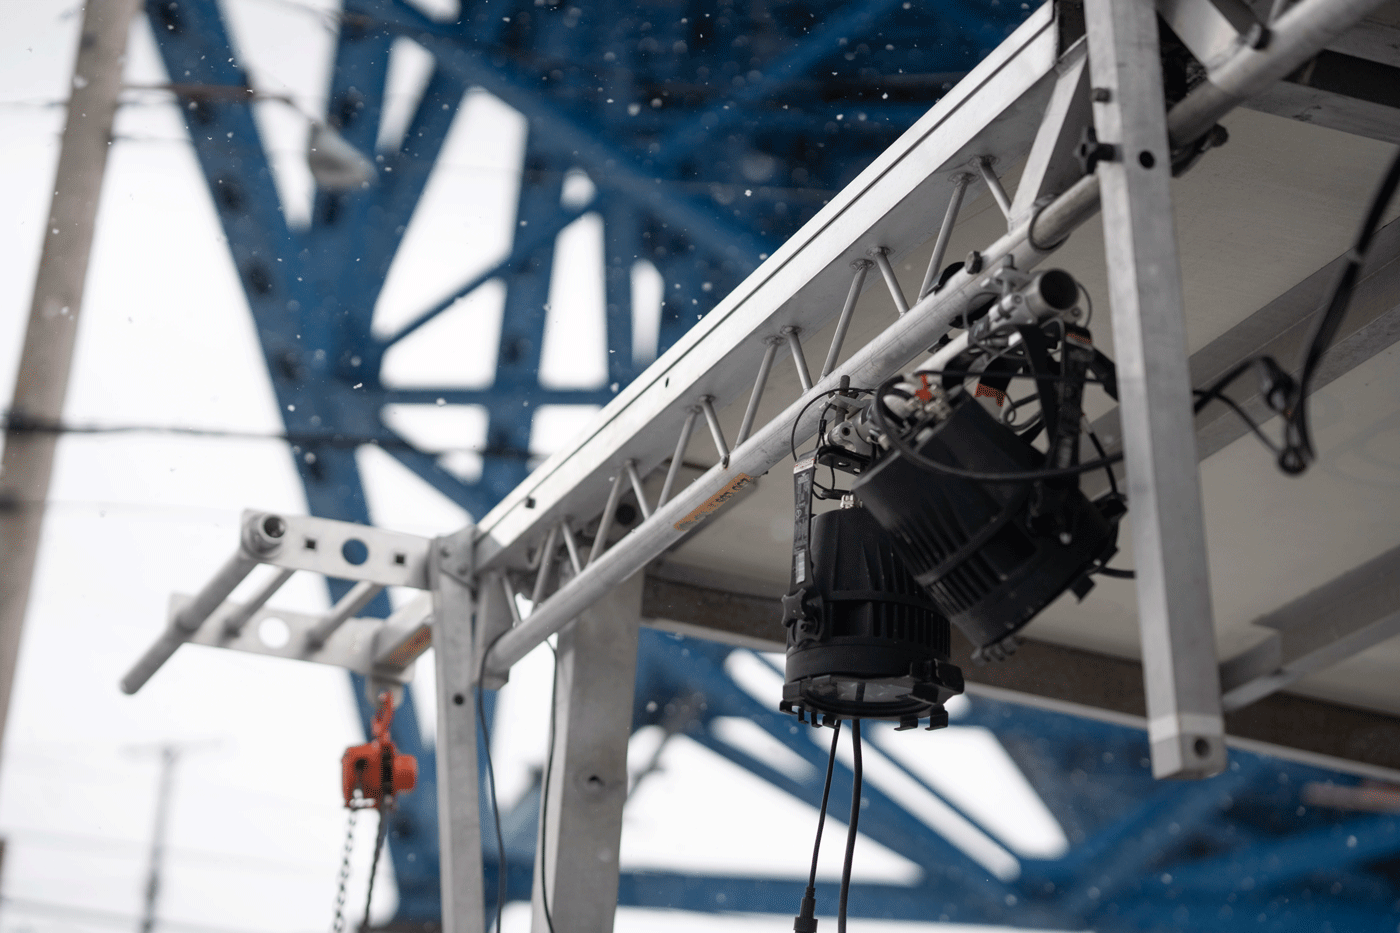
188	620
994	186
352	602
687	429
843	323
945	234
1297	35
551	541
798	360
572	546
600	540
769	353
881	255
903	341
239	618
637	489
707	405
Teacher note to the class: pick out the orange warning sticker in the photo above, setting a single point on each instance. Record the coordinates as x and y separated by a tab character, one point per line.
988	392
713	504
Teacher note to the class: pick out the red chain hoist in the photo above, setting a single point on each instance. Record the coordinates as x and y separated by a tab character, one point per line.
376	770
371	775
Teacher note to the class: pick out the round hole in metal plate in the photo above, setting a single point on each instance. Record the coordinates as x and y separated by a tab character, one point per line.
274	633
354	551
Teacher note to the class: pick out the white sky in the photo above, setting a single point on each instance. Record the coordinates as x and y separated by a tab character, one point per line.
166	338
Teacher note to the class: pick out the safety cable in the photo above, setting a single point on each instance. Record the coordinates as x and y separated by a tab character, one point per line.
850	829
805	921
495	808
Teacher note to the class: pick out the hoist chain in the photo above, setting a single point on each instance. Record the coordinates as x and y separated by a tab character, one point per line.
374	865
338	924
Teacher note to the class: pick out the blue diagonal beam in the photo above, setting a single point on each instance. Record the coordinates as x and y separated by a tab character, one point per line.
1296	857
527	244
848	22
1136	843
609	165
403	176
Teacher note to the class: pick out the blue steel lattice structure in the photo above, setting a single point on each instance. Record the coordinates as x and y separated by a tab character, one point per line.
711	132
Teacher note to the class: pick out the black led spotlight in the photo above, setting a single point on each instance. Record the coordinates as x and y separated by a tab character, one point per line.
864	641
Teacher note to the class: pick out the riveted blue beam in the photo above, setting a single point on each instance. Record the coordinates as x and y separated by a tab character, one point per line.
535	394
826	39
1296	857
622	246
528	241
609	165
1138	841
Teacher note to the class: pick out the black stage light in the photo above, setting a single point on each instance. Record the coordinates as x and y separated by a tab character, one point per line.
864	639
956	517
991	554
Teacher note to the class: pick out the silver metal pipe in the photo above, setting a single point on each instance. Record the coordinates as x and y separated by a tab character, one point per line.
945	233
901	342
352	602
678	458
798	359
984	166
707	405
571	546
551	540
843	323
235	621
1297	35
764	368
637	489
600	540
881	255
406	634
188	620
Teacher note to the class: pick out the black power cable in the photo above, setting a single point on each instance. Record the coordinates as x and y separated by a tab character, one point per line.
850	829
1282	393
805	921
1013	476
544	792
495	808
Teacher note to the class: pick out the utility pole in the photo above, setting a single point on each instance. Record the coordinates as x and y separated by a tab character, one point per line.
42	381
169	756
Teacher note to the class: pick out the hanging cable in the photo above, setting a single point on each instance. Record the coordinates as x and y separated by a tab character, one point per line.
495	809
806	921
850	829
544	792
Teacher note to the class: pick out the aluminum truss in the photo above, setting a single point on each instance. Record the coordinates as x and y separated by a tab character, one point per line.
802	288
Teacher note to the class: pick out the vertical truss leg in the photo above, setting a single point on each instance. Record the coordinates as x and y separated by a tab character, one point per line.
582	827
459	813
1174	611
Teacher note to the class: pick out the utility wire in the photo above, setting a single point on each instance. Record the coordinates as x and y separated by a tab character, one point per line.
805	921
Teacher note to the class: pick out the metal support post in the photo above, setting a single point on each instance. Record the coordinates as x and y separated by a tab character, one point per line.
581	825
459	813
1174	611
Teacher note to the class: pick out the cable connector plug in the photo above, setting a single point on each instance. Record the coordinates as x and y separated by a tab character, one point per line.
806	920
